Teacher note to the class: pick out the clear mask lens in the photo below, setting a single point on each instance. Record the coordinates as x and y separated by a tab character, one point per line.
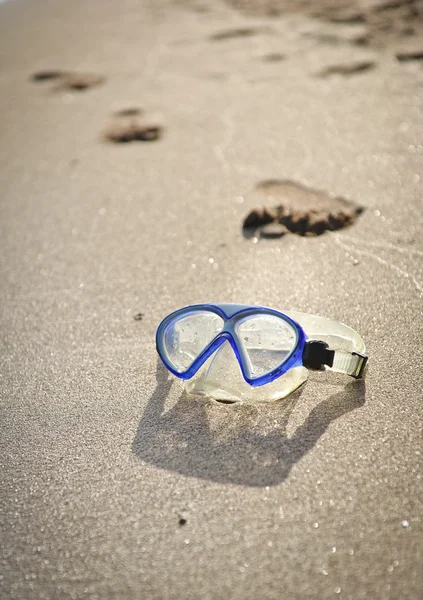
267	341
184	339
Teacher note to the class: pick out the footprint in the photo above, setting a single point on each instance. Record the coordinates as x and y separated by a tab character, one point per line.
348	15
120	133
79	82
125	127
407	55
68	81
273	57
128	112
299	209
47	75
347	69
356	36
382	5
239	32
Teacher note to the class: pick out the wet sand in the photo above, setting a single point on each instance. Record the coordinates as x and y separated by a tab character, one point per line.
115	485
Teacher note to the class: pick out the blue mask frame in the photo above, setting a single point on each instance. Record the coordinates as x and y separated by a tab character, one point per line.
231	314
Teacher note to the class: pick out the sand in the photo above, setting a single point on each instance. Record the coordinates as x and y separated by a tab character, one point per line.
114	484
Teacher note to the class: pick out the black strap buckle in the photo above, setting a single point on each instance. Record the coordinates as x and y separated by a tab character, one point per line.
316	354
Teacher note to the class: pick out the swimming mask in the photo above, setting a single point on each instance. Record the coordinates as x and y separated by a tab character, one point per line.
239	352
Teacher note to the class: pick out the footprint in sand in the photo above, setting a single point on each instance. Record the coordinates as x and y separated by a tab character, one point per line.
410	54
47	75
65	80
347	15
273	57
128	112
289	207
129	125
348	68
239	32
356	36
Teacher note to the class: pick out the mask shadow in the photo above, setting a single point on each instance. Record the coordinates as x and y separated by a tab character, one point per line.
237	443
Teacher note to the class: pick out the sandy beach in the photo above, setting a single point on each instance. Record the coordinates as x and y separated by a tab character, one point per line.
135	136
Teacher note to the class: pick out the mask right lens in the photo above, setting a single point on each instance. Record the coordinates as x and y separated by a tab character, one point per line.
268	341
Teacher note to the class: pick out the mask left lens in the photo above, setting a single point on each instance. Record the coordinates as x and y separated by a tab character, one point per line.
186	337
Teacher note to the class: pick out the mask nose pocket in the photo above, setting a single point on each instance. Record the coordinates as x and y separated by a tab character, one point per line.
221	378
185	338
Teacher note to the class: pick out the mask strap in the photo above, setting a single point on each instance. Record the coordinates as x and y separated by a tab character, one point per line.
331	343
350	363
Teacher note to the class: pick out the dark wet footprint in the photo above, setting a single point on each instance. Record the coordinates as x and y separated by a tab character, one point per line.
299	210
356	37
239	32
79	82
133	132
128	112
47	75
65	80
273	57
348	15
407	55
348	68
125	127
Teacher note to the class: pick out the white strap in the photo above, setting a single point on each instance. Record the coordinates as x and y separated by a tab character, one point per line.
349	363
